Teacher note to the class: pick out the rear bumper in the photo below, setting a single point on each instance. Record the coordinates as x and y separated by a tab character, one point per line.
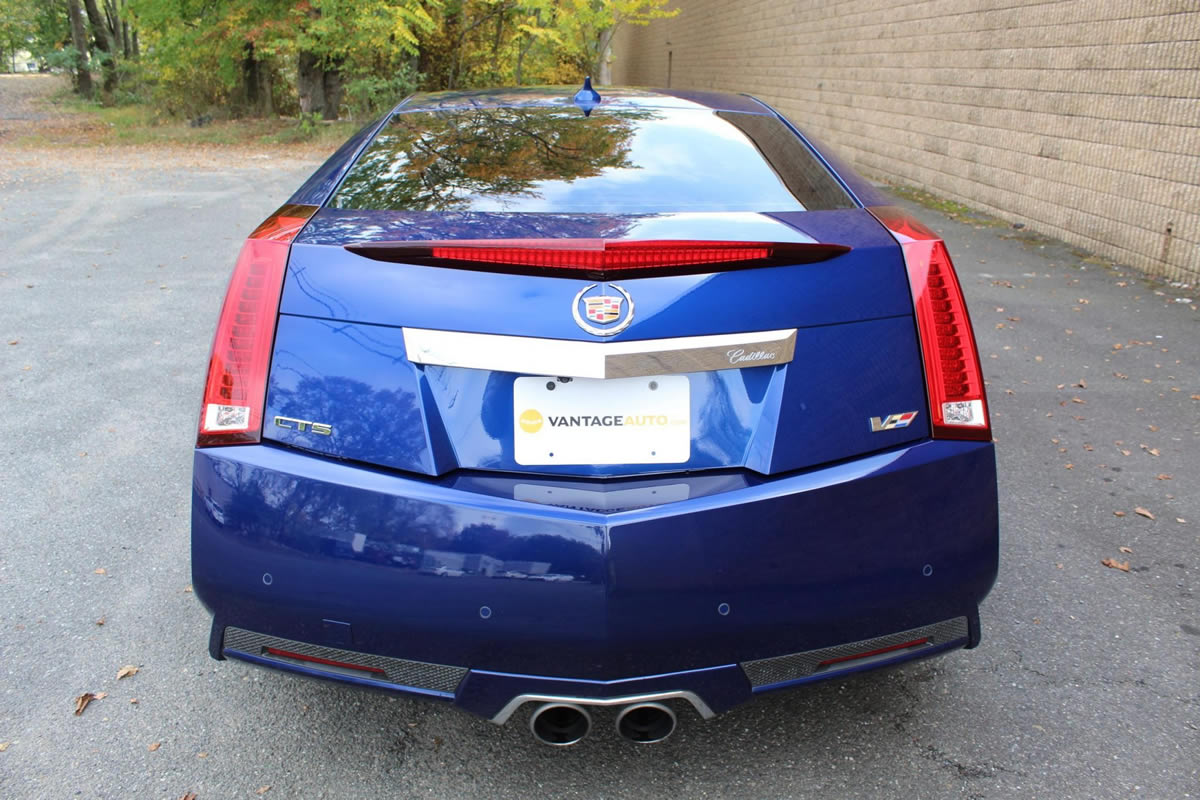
737	584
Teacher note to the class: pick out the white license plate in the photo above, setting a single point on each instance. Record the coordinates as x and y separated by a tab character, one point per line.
593	421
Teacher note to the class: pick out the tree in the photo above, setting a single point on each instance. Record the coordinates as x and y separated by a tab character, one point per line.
582	30
83	73
16	28
332	34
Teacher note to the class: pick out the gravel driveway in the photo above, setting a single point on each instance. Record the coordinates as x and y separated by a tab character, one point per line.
1087	684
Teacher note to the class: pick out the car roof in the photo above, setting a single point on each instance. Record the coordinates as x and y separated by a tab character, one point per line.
556	96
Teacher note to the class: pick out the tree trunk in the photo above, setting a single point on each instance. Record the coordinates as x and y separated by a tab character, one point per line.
83	76
310	84
137	49
105	44
334	87
126	40
256	84
266	98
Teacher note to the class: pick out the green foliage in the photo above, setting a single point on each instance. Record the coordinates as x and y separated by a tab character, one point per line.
371	95
233	58
514	42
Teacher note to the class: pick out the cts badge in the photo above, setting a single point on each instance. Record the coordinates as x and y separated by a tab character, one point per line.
304	426
892	421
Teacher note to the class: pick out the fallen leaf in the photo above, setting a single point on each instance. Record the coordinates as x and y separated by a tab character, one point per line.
1162	476
1121	375
154	746
4	746
1118	513
127	671
1118	346
1124	549
1078	400
187	588
1081	385
1069	466
1181	520
14	341
202	754
1061	386
1112	563
100	571
133	701
1058	565
1143	512
1088	447
188	796
1196	397
101	621
82	701
262	790
1083	301
1152	451
1126	452
1152	428
1006	284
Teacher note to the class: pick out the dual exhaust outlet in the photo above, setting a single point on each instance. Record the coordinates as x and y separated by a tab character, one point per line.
563	724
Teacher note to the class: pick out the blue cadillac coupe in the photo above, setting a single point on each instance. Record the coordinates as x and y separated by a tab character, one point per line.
563	400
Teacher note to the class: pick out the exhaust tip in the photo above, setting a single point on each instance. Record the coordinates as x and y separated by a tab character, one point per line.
646	723
560	724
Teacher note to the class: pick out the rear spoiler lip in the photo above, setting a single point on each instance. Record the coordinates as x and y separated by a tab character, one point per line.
423	253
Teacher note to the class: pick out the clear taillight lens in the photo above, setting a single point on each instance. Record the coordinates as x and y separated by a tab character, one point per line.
235	391
958	402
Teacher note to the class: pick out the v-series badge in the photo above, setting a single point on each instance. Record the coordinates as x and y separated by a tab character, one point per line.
304	426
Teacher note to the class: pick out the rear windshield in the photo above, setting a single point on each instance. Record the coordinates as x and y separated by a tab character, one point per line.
616	161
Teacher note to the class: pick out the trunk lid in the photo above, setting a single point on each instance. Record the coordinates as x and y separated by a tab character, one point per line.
342	359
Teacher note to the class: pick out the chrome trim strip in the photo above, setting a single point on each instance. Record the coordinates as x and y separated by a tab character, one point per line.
521	699
574	359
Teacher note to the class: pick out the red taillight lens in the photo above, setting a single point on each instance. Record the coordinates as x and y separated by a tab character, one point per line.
275	651
958	403
598	258
237	371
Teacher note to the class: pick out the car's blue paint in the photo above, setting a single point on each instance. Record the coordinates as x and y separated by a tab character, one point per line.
320	185
869	282
564	96
805	561
385	410
814	530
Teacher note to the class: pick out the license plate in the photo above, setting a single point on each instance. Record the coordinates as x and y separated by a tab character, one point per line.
593	421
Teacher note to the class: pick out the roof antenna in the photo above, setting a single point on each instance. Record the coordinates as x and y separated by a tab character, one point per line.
587	98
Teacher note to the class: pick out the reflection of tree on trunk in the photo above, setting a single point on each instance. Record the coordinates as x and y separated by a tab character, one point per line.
442	162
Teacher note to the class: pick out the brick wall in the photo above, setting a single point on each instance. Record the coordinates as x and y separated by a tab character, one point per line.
1080	118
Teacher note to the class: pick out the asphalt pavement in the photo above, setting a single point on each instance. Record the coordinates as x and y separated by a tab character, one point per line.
1087	684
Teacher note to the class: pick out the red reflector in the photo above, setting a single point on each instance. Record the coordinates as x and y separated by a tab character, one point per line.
598	257
957	399
275	651
235	391
890	648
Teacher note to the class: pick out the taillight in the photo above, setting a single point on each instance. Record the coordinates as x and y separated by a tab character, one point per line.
958	403
235	391
598	259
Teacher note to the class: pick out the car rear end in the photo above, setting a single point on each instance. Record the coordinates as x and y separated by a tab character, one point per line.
620	408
